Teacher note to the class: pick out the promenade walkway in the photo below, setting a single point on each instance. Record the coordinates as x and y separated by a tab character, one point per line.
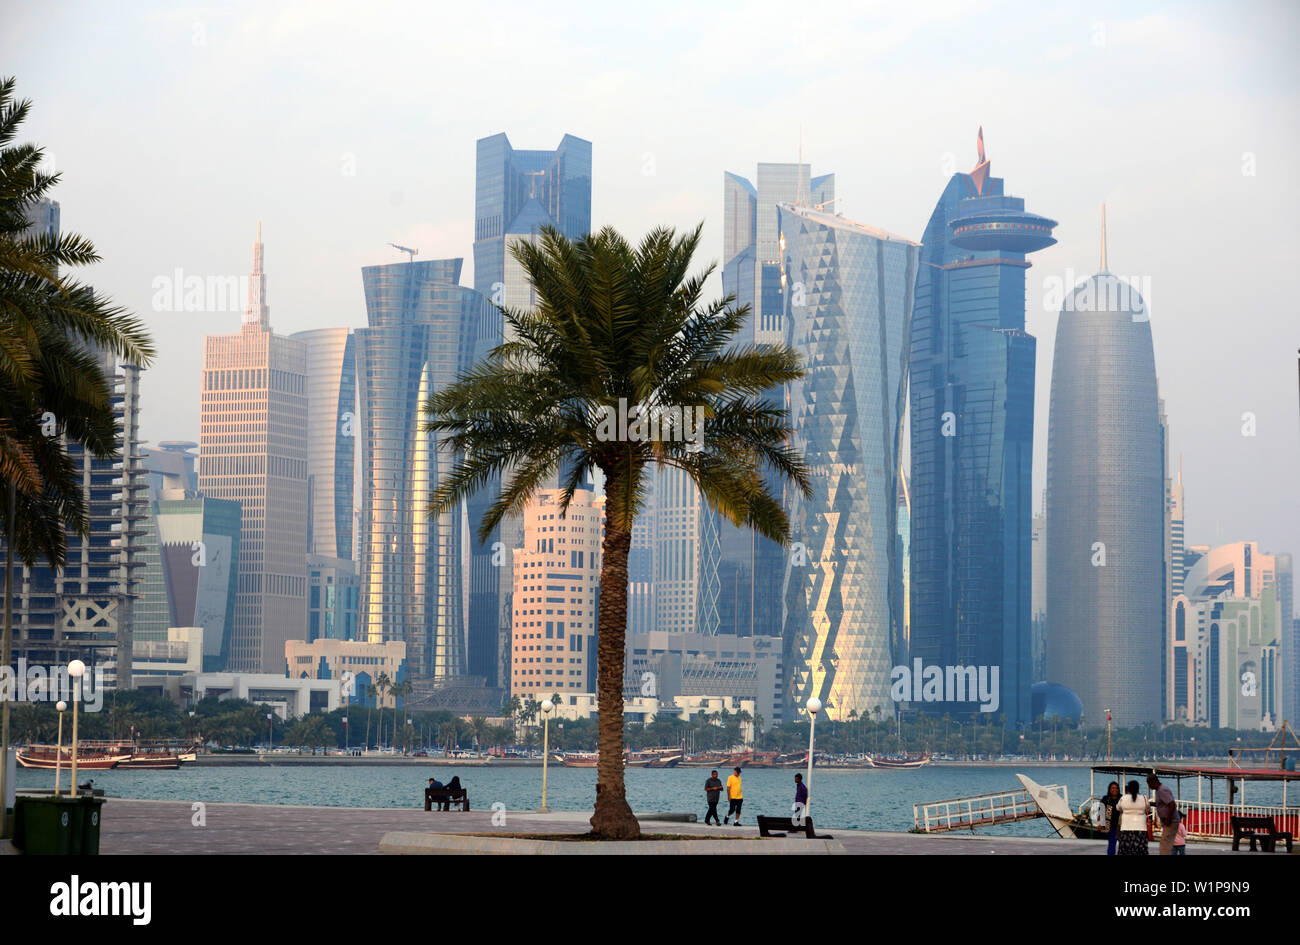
169	827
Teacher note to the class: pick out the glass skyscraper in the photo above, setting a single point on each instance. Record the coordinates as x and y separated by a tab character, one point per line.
516	193
742	573
848	291
1106	574
972	437
413	568
331	442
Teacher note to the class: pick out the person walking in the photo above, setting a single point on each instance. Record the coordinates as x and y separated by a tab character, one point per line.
800	795
735	797
1108	804
1134	823
1167	811
713	794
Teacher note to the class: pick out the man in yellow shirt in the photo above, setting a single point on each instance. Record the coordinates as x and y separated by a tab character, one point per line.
735	797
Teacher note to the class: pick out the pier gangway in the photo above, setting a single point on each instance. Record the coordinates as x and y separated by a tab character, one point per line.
980	810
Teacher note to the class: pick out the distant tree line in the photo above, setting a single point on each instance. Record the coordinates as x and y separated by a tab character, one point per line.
238	724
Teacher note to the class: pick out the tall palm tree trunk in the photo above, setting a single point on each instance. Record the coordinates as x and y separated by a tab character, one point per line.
613	819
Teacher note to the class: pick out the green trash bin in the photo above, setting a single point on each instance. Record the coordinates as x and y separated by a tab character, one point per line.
91	811
48	825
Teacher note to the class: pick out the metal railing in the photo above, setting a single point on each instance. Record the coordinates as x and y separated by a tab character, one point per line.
1208	821
981	810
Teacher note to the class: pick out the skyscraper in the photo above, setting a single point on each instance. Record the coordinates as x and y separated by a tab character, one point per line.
747	569
848	291
1106	505
413	568
331	439
198	538
679	585
516	193
556	587
1226	640
517	190
972	425
253	449
191	554
1039	598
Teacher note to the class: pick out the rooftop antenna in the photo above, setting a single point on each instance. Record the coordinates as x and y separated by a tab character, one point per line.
410	253
1103	237
801	192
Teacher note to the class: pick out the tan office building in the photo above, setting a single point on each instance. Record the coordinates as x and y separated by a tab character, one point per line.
253	448
331	659
556	586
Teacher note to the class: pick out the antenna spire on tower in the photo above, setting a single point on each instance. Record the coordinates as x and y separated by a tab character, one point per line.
258	312
801	194
1103	237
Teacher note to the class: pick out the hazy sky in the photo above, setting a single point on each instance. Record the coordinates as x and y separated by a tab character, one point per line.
344	126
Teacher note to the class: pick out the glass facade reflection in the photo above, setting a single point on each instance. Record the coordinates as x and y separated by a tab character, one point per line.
516	193
972	431
742	573
412	568
331	426
848	291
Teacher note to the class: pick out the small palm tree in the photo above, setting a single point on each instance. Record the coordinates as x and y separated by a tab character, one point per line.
479	725
382	685
369	692
398	691
619	330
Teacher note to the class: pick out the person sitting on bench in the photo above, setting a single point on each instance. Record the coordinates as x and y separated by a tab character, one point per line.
454	791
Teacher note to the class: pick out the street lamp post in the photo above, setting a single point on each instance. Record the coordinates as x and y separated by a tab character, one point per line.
58	754
1108	736
347	745
270	733
547	706
814	705
75	669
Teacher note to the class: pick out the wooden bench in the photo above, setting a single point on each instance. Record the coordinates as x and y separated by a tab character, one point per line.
1261	828
442	799
781	826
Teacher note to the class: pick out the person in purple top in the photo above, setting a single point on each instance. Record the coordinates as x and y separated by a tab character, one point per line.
800	792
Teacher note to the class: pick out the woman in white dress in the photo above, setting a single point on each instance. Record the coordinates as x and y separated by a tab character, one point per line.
1134	823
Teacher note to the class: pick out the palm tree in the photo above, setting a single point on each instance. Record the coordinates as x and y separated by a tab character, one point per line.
369	691
50	327
479	725
398	691
617	325
382	685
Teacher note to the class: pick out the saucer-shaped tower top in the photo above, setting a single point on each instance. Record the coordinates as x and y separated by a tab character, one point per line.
996	223
1009	228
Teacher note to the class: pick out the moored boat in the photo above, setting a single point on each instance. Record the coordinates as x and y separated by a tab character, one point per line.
49	757
1204	817
906	761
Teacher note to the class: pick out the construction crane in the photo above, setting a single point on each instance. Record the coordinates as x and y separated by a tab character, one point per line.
411	253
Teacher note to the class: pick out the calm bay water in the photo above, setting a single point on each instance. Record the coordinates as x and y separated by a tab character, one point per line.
857	799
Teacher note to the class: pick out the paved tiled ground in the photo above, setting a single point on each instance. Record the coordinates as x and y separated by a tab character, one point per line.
135	826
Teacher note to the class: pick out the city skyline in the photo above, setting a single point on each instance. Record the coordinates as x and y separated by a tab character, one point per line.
1200	104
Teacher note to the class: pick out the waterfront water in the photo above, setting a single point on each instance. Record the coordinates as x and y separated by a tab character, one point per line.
856	799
